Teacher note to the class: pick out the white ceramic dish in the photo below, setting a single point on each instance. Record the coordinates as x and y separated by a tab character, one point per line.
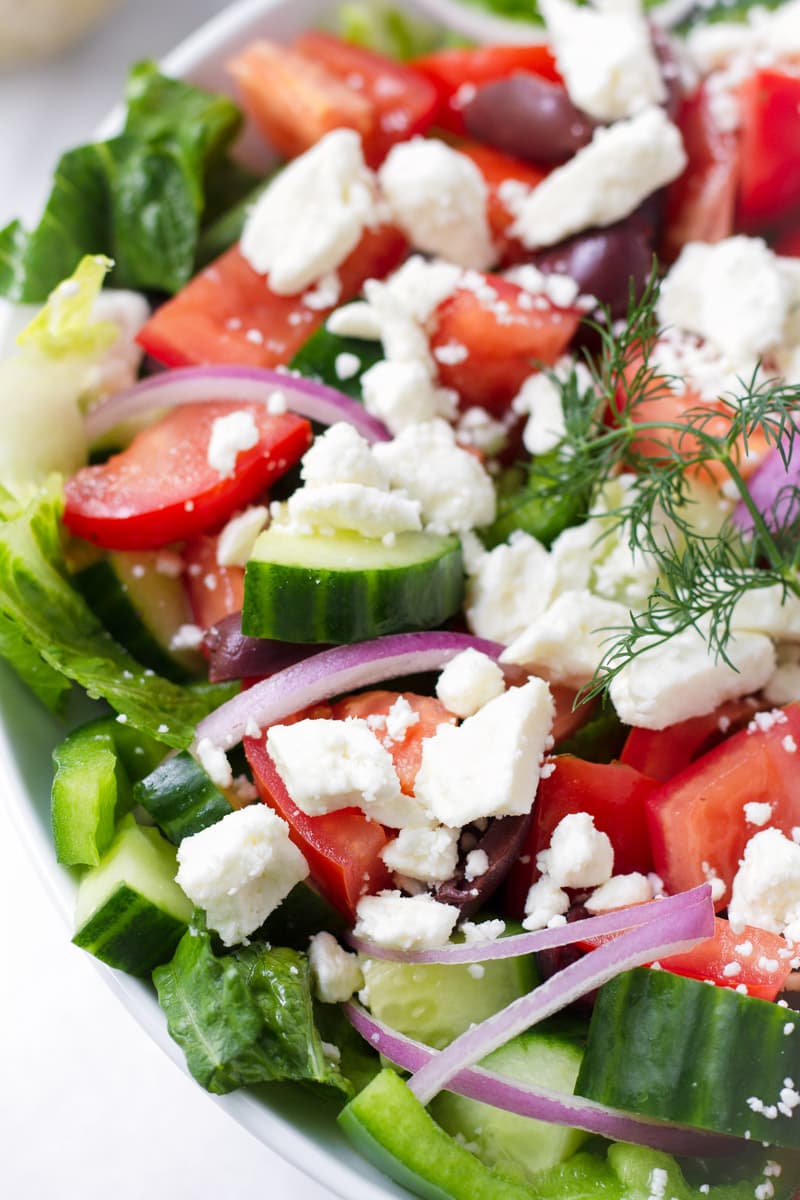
296	1126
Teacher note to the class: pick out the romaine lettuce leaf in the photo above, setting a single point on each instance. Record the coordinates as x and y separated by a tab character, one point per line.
245	1017
138	197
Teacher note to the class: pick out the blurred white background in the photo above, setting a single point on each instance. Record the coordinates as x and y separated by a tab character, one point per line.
89	1107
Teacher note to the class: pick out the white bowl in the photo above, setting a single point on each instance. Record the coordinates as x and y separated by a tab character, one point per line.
300	1128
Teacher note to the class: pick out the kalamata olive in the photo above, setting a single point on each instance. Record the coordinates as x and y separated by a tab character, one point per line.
528	117
604	262
232	655
502	844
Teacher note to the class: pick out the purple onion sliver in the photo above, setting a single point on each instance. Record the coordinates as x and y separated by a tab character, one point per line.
540	1103
334	672
245	385
773	487
677	926
532	943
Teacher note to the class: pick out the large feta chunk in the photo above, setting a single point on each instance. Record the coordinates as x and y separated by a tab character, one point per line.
342	455
508	588
230	435
402	394
489	766
240	869
450	484
621	891
783	685
469	681
405	922
732	293
769	611
439	199
580	856
312	215
681	678
606	57
568	640
604	182
336	974
353	506
429	855
766	888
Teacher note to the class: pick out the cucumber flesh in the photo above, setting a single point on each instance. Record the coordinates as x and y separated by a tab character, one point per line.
90	791
181	798
142	608
347	588
674	1048
518	1147
130	912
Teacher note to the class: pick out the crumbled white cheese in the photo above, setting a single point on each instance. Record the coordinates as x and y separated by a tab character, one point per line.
769	611
606	57
450	484
400	718
352	506
756	813
429	855
240	869
580	856
404	394
336	974
404	922
439	199
342	455
312	215
236	541
327	765
214	761
603	182
187	637
489	765
766	888
783	685
356	320
545	900
420	285
482	933
621	891
346	365
325	292
469	681
230	435
475	865
568	640
120	364
476	427
508	588
681	678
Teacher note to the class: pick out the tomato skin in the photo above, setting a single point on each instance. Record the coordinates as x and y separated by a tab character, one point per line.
497	168
162	489
504	338
707	960
696	820
451	70
701	202
769	182
788	243
229	314
614	794
661	755
226	596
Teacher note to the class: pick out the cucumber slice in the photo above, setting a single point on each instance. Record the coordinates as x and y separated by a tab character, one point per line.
130	912
518	1147
677	1049
348	588
90	791
435	1003
181	798
142	608
317	360
534	508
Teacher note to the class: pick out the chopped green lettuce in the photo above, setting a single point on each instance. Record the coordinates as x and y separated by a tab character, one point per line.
244	1017
52	619
64	326
138	197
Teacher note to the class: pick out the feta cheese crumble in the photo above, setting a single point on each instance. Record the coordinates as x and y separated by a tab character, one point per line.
236	541
230	435
620	891
580	856
508	588
336	974
545	900
766	888
469	681
429	855
405	922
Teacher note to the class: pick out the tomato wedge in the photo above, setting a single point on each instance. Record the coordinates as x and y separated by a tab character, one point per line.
615	795
497	169
769	179
697	822
162	488
506	337
456	73
228	314
662	754
214	591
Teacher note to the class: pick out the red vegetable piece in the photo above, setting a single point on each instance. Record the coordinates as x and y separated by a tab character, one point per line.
162	488
228	314
762	957
214	591
769	182
497	168
506	336
697	820
612	793
662	754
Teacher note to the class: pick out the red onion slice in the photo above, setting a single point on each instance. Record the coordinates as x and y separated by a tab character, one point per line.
678	923
245	385
332	673
542	1104
530	943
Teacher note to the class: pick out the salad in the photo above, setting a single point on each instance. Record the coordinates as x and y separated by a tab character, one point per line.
425	515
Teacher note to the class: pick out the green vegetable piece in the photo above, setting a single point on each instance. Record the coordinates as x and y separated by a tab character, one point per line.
388	31
600	740
673	1048
181	798
245	1017
90	791
130	912
634	1167
390	1127
536	507
303	913
226	229
317	359
48	684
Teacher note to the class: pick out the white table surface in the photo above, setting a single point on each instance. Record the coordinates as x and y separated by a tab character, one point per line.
89	1107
